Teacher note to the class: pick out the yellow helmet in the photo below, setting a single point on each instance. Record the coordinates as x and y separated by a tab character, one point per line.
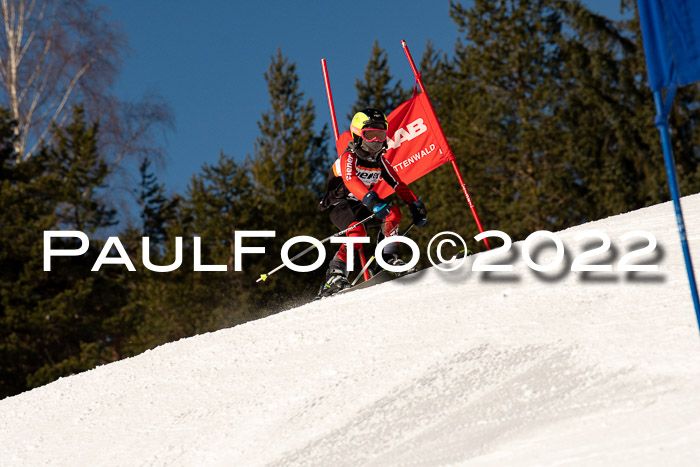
369	127
368	118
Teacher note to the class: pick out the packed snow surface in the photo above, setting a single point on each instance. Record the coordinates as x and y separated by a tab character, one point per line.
470	368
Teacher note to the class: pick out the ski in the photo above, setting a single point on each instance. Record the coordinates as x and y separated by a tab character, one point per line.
379	278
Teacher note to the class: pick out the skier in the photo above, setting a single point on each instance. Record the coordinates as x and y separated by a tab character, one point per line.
351	194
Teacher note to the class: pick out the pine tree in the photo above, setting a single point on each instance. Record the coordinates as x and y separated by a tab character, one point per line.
289	162
156	208
494	102
609	110
52	323
509	66
376	89
222	200
76	162
16	231
278	188
288	169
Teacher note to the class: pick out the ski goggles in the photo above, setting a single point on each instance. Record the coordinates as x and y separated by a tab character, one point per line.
373	134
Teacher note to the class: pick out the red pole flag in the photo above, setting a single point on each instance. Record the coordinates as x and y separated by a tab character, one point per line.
341	142
439	131
415	145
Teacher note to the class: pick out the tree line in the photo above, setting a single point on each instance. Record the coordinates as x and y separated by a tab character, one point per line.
545	104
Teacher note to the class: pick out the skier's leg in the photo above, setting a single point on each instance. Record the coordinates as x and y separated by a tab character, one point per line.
343	215
340	259
390	227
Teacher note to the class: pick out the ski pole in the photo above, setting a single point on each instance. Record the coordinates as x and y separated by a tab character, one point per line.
372	258
363	270
264	277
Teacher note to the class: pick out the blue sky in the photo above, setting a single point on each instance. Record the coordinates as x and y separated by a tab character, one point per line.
207	60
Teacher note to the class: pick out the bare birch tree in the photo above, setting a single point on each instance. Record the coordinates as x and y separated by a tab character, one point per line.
55	53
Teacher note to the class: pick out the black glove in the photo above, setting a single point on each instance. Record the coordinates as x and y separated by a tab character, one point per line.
418	212
378	206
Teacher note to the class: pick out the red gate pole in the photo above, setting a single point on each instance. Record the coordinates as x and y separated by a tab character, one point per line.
454	162
330	99
329	94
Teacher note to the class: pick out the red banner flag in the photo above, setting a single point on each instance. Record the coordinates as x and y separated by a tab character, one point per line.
416	144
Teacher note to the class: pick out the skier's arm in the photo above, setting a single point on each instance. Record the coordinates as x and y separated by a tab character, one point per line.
391	178
348	172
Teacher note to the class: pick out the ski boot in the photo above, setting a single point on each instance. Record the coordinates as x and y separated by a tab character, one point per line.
462	253
335	282
394	260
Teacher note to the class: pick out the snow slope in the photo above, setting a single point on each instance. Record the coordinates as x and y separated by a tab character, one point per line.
483	369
